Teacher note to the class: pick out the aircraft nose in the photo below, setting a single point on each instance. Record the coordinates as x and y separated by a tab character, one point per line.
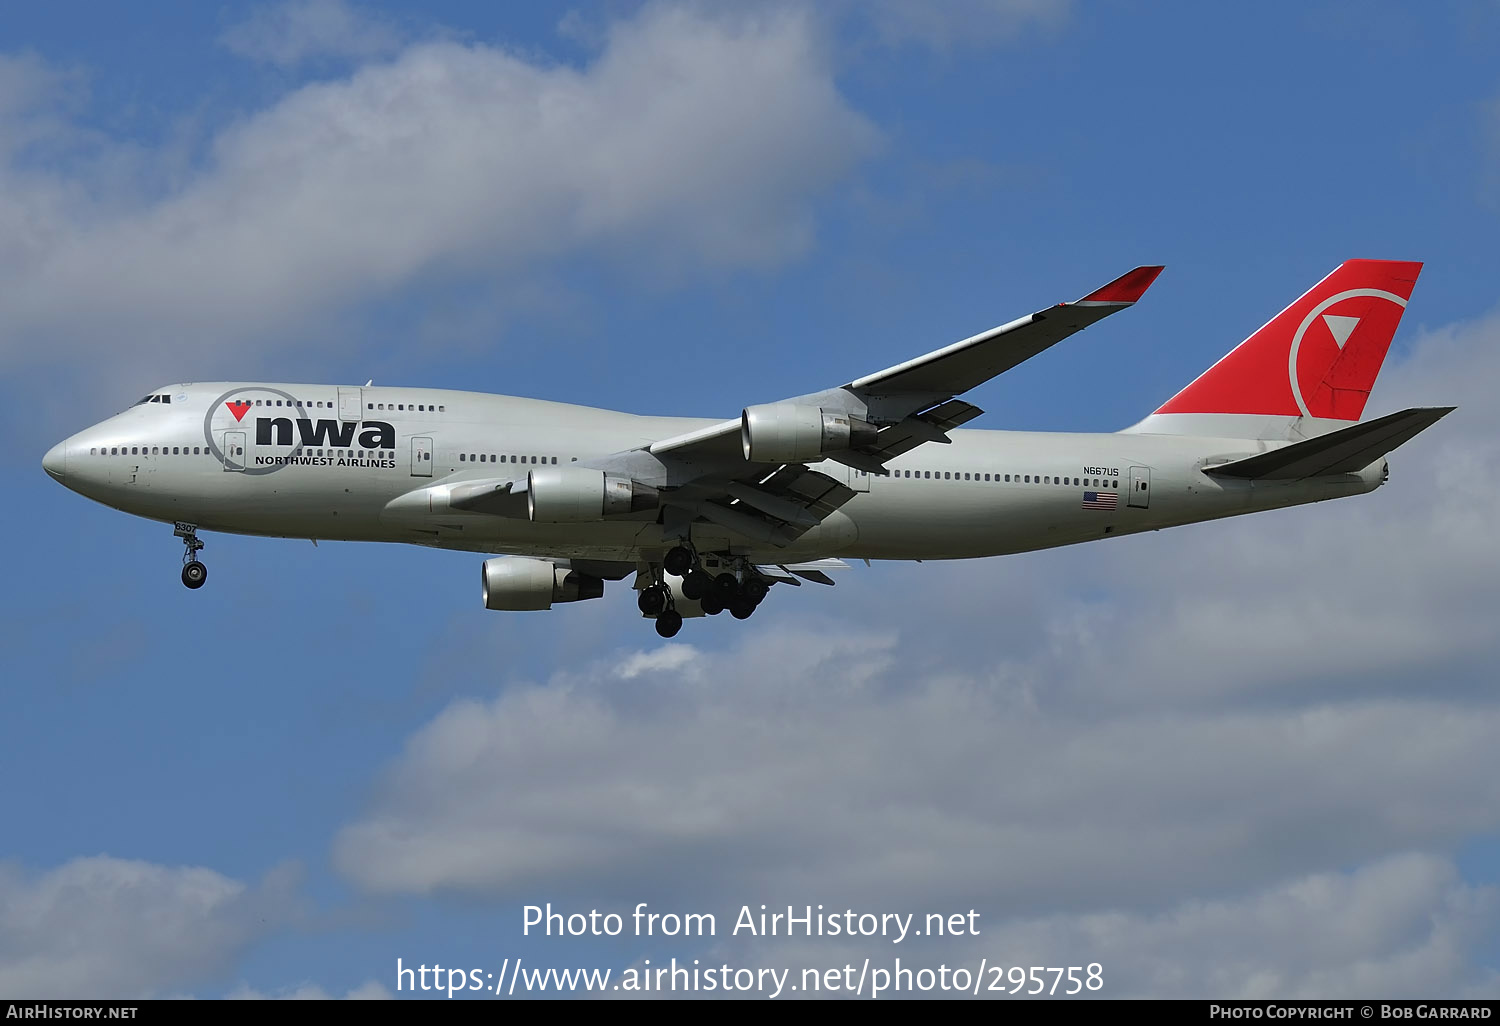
55	463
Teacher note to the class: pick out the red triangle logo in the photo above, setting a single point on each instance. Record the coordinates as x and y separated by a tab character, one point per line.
239	409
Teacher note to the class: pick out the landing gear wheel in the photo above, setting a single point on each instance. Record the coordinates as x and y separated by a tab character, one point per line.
726	588
741	609
652	600
669	623
755	590
696	584
678	560
711	605
194	573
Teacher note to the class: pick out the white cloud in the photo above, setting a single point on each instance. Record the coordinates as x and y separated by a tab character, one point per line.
1142	731
370	990
805	756
107	927
1401	926
668	657
690	141
290	33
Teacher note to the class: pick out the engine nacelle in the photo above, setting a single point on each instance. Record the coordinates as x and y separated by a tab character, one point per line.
788	433
571	495
520	583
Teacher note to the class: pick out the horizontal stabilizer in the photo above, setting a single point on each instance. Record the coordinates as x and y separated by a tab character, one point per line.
1345	451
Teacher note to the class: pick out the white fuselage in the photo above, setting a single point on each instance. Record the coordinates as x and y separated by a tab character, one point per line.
333	462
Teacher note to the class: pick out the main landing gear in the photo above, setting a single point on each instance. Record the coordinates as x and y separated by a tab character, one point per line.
194	573
669	623
656	600
679	560
716	584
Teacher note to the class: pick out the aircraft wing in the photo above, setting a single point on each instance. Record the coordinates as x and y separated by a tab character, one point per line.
911	403
771	494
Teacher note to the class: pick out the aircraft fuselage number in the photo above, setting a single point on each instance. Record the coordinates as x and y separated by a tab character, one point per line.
1102	471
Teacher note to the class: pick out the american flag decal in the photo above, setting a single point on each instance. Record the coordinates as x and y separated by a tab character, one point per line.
1100	500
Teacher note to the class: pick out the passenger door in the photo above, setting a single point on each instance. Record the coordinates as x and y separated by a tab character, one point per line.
1140	487
421	457
351	404
234	450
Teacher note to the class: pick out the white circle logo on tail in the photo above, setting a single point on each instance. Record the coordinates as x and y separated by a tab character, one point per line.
1341	327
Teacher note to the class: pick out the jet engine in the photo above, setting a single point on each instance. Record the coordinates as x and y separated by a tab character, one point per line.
571	495
518	582
788	433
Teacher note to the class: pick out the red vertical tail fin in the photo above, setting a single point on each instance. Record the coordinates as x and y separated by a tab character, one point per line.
1317	358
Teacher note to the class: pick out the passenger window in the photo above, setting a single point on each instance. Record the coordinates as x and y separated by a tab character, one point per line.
369	406
441	408
460	457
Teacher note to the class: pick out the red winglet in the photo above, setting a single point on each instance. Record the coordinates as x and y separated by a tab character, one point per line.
1127	288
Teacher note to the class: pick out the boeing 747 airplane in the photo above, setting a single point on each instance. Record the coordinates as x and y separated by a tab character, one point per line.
708	516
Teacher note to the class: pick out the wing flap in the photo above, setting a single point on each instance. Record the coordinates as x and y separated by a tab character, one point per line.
1345	451
777	509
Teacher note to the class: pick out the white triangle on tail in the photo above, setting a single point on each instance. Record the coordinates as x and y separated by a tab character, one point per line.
1342	327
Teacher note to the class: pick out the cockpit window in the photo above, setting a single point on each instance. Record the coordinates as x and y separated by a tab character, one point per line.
152	399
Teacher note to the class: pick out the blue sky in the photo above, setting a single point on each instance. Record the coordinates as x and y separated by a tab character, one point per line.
1278	729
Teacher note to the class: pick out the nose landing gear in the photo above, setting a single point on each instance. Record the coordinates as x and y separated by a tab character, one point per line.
194	573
